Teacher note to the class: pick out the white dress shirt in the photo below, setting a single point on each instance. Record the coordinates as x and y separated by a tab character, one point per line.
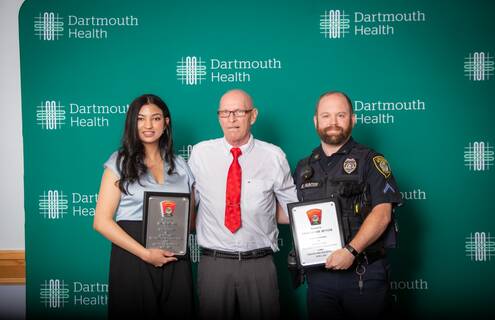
266	178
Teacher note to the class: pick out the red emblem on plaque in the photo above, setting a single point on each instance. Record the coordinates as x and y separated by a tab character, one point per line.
167	207
314	216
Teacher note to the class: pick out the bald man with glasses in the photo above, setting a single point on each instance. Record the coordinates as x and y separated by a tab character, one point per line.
239	181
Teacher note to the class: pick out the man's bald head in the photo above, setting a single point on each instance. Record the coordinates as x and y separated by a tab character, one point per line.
236	95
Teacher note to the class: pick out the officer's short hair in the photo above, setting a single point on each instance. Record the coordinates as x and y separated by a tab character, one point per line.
349	102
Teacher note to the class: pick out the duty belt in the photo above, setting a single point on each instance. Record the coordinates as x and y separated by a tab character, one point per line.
371	256
244	255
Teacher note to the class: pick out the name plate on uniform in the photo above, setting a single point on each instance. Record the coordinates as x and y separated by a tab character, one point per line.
316	229
166	221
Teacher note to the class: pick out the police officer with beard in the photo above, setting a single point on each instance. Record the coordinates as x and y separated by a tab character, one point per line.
354	283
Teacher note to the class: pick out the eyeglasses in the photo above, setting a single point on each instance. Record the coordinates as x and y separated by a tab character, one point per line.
239	113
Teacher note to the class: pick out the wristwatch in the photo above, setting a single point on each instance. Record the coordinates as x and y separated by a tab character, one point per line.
351	250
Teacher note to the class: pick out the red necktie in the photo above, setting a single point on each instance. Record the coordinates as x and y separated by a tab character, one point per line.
233	196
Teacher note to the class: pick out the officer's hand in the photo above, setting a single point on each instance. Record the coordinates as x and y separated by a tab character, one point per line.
158	257
340	259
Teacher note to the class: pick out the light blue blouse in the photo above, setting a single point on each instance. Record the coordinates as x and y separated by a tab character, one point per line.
131	205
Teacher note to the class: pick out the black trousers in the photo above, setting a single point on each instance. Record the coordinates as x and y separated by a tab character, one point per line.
238	289
336	294
141	291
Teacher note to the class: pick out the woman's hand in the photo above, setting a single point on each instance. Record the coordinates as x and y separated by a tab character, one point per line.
158	257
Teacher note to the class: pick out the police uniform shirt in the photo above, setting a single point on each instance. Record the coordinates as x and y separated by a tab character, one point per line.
344	165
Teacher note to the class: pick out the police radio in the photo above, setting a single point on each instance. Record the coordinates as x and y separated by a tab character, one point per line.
307	171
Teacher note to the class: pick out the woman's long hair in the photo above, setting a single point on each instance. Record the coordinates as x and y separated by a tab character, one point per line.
130	159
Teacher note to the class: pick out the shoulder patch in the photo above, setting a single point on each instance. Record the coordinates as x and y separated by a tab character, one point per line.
382	166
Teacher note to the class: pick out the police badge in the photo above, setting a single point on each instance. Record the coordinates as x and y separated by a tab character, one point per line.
350	165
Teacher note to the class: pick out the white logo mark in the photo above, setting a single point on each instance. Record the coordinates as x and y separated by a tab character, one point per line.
48	26
185	152
478	156
479	66
191	70
194	251
480	247
54	293
50	116
334	24
53	204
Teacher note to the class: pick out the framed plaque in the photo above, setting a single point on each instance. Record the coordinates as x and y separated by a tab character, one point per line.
316	229
166	221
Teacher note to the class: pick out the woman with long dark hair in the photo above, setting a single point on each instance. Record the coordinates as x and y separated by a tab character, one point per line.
143	282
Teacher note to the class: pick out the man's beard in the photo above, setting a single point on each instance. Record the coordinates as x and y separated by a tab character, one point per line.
334	139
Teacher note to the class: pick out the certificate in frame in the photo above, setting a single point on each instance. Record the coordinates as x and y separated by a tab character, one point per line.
316	229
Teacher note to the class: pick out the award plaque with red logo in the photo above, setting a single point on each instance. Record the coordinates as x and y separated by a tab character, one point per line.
316	229
166	221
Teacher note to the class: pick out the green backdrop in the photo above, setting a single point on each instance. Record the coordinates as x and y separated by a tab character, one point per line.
420	74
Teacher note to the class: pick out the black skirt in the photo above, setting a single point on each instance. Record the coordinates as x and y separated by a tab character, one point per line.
137	289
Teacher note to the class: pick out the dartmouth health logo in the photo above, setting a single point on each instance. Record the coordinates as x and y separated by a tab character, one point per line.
50	115
56	204
53	204
54	293
479	156
334	24
480	246
51	26
53	115
479	66
196	70
59	293
338	23
48	26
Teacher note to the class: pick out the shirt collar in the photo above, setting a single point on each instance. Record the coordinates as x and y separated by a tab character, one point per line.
345	149
245	148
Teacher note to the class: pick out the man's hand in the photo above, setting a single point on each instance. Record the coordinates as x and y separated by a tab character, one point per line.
340	259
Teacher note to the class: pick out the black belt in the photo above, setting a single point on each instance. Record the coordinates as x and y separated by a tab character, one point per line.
253	254
371	256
